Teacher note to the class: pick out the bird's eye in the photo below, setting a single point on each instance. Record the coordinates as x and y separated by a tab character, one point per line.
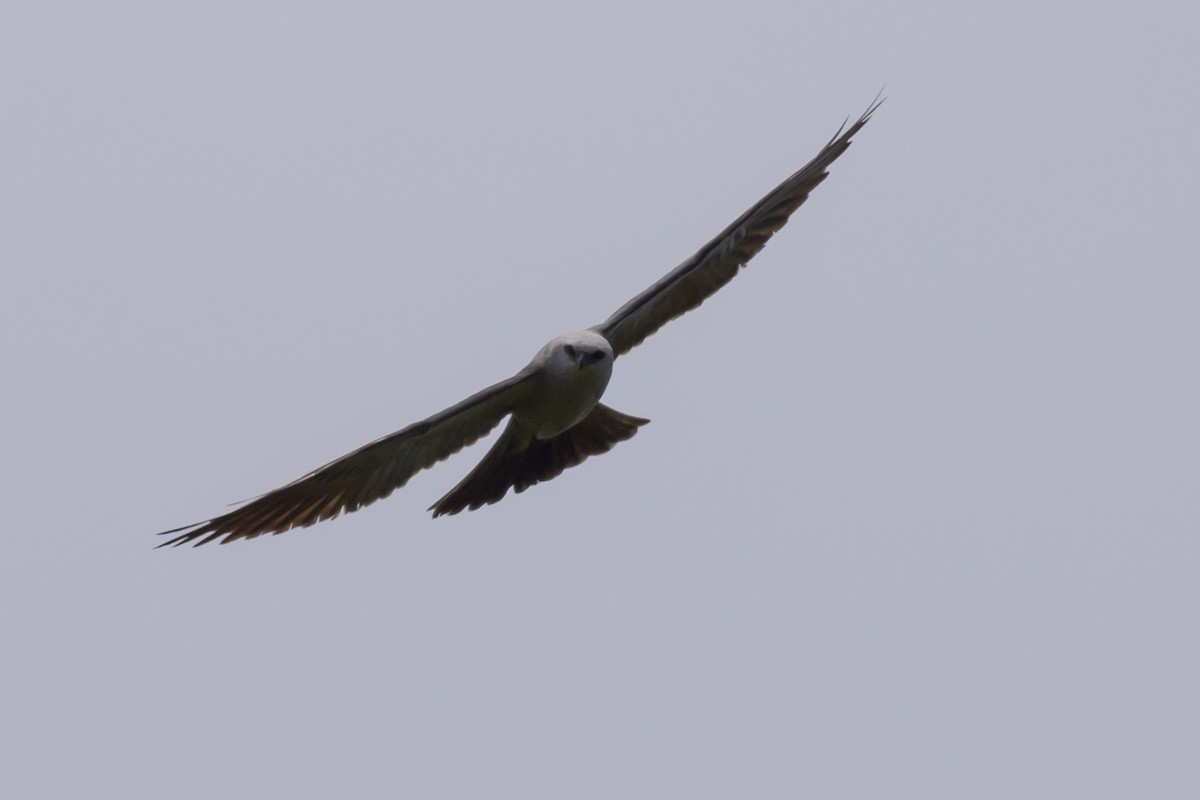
569	350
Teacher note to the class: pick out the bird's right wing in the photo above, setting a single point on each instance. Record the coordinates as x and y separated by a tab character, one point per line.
370	473
698	278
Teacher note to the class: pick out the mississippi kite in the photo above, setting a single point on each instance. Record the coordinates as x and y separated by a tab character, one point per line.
555	417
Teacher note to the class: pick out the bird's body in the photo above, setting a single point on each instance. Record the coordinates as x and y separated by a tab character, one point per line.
574	370
556	419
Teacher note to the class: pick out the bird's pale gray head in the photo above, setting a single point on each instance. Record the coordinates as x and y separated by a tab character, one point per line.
580	350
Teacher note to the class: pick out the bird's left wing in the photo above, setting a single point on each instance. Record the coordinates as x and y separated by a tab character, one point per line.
370	473
698	278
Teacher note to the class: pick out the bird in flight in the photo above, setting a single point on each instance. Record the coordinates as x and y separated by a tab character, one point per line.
556	419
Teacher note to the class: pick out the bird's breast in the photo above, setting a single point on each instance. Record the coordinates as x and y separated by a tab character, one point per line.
563	398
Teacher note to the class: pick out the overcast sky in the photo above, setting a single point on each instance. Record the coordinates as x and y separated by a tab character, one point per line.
916	516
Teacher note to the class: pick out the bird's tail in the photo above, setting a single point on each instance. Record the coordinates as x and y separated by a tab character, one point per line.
517	462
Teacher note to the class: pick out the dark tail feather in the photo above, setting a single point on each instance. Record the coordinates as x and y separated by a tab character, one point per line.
514	463
491	478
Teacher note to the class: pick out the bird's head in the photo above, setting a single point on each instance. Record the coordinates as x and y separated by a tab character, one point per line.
581	351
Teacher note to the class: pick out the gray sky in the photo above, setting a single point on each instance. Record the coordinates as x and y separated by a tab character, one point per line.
916	515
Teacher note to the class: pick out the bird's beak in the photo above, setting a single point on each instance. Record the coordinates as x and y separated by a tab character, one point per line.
581	359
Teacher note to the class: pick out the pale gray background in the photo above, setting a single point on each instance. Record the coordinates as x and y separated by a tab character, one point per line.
916	515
